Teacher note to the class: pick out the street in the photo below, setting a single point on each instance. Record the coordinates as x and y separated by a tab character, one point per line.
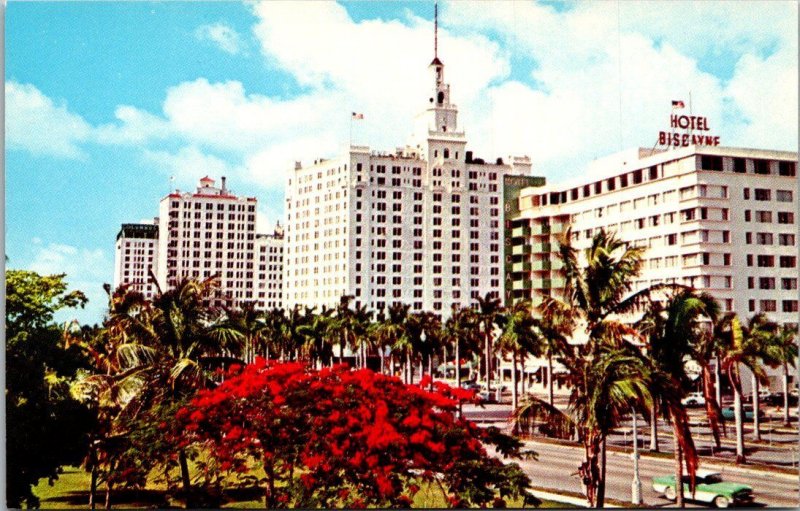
556	466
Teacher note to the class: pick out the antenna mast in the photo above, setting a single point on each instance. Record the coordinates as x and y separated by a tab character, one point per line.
436	29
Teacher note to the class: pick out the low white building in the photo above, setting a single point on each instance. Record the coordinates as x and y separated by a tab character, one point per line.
723	220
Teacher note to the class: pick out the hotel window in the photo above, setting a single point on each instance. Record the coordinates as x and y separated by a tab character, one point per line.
751	281
788	283
762	194
746	215
751	305
746	193
787	168
749	259
788	261
766	283
761	166
768	305
764	238
786	240
790	306
785	217
764	217
739	165
783	195
711	162
766	261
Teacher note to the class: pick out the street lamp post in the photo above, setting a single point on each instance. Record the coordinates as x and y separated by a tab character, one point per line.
636	484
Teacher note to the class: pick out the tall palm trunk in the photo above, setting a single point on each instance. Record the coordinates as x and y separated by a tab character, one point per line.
409	369
756	406
654	428
737	414
549	378
679	497
487	346
514	399
380	354
458	372
109	486
785	394
430	372
187	483
601	485
718	381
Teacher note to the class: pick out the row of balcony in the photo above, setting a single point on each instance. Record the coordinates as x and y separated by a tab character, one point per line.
556	283
537	266
537	230
534	248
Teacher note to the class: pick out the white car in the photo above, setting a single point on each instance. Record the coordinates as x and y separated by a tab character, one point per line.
694	399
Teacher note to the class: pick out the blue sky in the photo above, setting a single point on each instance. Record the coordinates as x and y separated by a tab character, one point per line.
106	100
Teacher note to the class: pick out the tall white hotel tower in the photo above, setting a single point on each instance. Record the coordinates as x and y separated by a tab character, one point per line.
422	226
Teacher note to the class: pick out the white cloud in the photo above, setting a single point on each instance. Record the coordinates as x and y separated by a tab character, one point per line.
37	124
86	270
599	77
223	36
188	165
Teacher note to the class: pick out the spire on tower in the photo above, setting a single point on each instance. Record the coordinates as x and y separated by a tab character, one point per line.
436	61
436	29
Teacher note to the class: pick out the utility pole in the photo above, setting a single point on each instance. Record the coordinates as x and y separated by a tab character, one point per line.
636	484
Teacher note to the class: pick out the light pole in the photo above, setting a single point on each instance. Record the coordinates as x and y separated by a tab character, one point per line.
636	484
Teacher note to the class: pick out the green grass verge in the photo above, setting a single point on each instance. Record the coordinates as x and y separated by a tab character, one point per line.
71	491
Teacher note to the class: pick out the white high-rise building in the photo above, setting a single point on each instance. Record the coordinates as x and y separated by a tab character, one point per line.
269	287
201	234
722	220
135	257
208	232
421	226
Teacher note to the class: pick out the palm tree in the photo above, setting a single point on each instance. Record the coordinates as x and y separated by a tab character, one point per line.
461	330
319	334
252	326
782	351
518	338
392	330
607	374
488	311
173	346
742	346
428	342
555	323
673	331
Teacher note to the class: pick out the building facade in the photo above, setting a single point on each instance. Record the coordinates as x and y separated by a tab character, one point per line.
135	257
269	284
722	220
421	226
201	234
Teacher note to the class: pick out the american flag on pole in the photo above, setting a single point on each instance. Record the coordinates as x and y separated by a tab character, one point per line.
358	116
677	103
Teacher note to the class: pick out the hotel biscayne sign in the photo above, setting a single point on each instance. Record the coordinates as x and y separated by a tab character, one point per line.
695	132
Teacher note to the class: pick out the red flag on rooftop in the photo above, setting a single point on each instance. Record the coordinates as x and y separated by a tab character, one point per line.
677	103
357	115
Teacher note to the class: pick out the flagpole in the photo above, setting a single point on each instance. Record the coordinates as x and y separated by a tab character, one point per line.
690	114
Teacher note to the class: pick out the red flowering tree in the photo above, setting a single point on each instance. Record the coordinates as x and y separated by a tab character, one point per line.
337	437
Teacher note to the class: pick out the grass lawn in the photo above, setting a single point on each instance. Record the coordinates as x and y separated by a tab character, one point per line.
71	491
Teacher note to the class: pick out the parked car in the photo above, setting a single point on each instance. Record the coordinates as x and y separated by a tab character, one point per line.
776	399
694	399
747	413
710	488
